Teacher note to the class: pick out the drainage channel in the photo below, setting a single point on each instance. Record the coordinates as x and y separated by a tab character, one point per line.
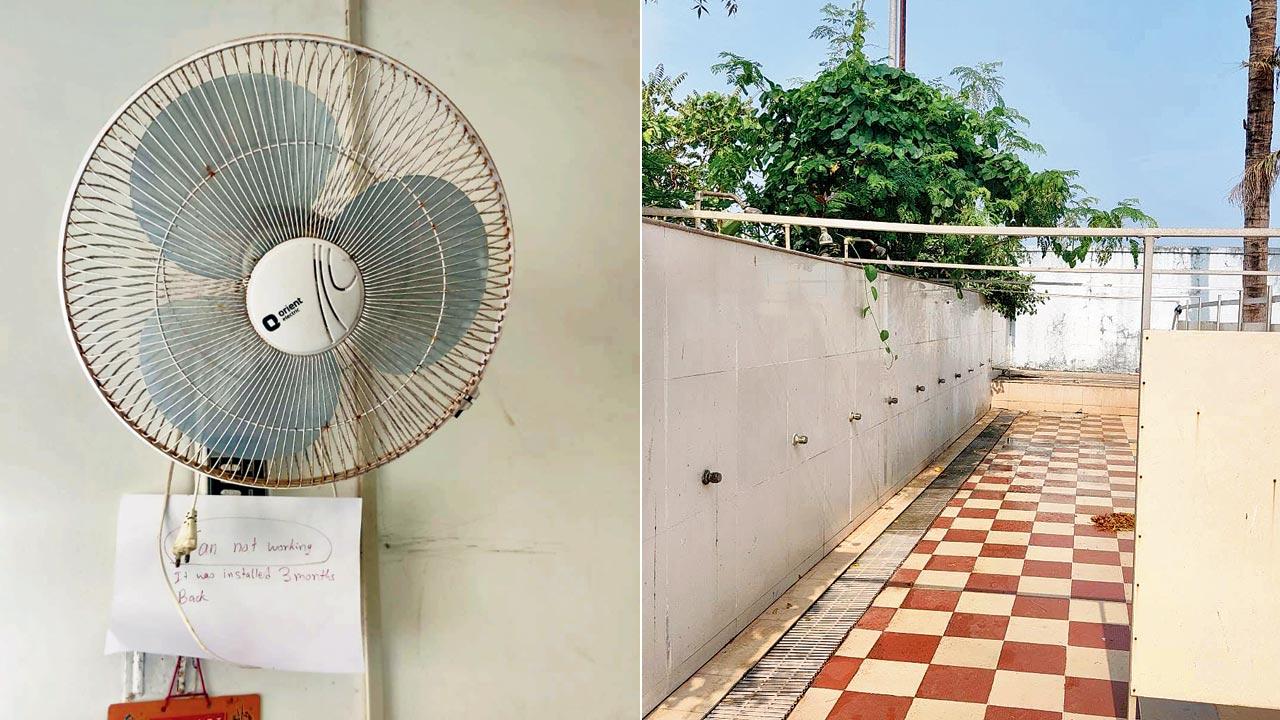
770	689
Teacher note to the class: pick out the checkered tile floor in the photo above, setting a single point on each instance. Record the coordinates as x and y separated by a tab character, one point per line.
1012	606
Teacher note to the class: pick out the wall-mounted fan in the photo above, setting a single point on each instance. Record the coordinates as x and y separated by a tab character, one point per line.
286	261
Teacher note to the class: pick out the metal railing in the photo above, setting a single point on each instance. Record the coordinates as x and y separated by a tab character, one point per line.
1148	236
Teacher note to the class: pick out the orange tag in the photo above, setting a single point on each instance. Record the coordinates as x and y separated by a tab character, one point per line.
223	707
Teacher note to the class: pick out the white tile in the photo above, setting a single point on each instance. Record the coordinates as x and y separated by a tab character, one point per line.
806	409
929	709
919	622
1048	587
960	549
942	579
1037	630
1098	611
1036	691
858	643
890	597
764	445
653	457
1051	554
687	561
888	677
985	603
815	704
1099	573
1097	663
968	652
701	435
998	566
701	308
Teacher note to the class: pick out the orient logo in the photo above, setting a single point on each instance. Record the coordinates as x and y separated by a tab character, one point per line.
272	322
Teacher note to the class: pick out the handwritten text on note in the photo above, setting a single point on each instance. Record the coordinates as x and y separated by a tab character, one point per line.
274	582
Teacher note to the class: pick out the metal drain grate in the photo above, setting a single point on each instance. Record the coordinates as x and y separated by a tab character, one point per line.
770	689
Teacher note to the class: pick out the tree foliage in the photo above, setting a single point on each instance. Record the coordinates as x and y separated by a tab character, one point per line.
866	140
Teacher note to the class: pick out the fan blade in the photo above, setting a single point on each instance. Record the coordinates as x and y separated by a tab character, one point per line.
211	376
229	168
423	252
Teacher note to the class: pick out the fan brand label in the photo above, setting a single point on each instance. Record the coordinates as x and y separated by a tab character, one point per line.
272	322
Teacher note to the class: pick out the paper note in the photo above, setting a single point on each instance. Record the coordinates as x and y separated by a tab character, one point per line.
274	582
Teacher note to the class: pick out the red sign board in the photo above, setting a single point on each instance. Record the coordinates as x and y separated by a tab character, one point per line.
223	707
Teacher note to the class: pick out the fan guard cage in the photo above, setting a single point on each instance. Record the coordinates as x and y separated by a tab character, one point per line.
230	153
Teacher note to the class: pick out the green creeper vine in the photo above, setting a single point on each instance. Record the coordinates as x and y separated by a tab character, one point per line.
868	310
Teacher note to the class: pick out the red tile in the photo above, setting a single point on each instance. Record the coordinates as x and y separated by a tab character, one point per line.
951	562
1024	488
1126	544
926	599
865	706
1096	557
837	673
1090	530
1095	590
1092	510
982	513
1003	551
986	495
905	647
965	535
1041	607
904	577
1047	540
1046	568
1056	517
962	684
1019	505
876	618
1098	635
926	547
1012	525
988	582
972	625
1004	713
1097	697
942	522
1033	657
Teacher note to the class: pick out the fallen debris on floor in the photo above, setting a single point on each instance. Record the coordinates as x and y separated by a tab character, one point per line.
1114	522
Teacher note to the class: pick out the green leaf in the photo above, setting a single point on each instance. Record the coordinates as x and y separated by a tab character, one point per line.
871	272
865	310
875	294
884	335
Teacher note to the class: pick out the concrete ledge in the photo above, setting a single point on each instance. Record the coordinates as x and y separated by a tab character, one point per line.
1068	392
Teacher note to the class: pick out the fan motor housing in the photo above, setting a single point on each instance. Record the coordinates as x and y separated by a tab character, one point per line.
304	296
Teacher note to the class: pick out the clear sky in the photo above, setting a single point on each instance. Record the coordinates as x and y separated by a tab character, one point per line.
1144	97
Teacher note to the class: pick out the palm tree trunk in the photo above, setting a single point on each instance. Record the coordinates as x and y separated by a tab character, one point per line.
1257	148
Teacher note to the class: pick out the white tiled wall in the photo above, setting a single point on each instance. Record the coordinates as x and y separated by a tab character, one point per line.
745	346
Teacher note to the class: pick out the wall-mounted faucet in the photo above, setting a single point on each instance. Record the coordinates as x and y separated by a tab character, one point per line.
799	439
957	376
710	478
855	416
892	400
942	381
919	388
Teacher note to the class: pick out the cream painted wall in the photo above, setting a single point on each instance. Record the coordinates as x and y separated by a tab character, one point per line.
745	346
510	587
510	543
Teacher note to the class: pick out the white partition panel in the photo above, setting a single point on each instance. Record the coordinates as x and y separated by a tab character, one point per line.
1207	582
